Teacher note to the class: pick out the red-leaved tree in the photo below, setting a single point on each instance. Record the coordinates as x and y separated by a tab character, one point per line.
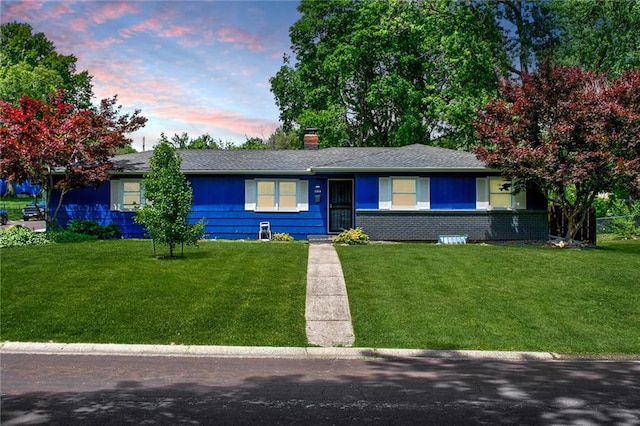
59	146
573	133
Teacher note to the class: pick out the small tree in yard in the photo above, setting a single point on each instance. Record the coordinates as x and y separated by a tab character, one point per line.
61	146
168	200
574	133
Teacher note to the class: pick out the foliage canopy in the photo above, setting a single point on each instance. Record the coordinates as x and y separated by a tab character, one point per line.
30	65
572	132
60	146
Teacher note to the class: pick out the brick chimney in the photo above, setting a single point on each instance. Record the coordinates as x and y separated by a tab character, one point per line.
311	138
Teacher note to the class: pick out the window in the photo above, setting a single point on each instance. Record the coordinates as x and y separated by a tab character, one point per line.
496	193
126	194
276	195
403	193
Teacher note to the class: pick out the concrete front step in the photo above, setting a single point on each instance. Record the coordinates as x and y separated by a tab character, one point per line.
320	239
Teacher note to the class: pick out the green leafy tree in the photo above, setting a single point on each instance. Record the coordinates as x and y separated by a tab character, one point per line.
599	35
284	139
168	197
389	73
254	143
30	65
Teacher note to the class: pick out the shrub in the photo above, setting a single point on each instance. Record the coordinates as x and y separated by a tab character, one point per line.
18	236
90	227
282	236
64	236
352	237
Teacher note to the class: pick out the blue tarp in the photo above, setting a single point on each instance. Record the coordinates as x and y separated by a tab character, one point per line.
20	188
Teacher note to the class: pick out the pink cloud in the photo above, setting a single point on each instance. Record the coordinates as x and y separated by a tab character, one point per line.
17	11
79	24
150	25
103	12
240	38
176	31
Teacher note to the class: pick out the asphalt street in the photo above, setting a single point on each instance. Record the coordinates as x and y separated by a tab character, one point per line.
171	390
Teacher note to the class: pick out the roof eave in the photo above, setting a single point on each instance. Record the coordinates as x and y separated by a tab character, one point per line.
223	172
401	169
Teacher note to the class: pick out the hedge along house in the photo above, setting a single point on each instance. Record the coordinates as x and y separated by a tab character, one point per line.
415	192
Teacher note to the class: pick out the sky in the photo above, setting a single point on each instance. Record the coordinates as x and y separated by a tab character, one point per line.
190	66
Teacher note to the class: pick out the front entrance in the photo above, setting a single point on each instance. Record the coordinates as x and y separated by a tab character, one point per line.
340	204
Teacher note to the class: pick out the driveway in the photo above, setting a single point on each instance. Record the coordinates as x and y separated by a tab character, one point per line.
34	225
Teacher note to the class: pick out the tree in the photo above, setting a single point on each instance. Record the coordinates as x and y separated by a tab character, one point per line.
573	133
597	35
59	146
389	73
283	139
168	197
528	31
254	143
30	65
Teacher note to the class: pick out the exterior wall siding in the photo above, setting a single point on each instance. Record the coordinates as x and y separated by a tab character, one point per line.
219	200
479	225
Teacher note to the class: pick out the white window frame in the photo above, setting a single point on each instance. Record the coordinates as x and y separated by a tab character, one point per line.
385	193
117	194
483	196
251	195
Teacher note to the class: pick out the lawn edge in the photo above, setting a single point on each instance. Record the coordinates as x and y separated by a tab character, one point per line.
294	352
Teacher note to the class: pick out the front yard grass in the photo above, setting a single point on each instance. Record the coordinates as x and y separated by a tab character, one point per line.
222	293
489	297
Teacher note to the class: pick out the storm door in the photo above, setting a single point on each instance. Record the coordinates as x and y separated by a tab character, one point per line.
340	205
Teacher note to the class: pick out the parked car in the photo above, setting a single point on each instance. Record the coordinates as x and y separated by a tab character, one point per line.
33	211
4	217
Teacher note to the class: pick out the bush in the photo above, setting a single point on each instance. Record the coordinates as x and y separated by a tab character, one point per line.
352	237
626	216
281	236
18	236
90	227
65	236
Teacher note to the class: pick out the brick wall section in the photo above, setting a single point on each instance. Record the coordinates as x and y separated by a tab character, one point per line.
494	225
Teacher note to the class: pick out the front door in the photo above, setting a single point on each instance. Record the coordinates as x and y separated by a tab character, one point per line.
340	205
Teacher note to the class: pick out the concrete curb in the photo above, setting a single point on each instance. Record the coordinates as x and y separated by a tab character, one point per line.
290	353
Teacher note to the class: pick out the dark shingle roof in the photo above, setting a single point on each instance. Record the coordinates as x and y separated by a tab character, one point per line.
410	158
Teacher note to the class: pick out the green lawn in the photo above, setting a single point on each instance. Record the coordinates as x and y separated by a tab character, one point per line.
402	295
222	293
13	206
491	297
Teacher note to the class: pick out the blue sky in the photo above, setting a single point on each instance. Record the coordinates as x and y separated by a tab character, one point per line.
190	66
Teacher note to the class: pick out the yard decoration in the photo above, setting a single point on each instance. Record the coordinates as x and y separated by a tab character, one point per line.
574	133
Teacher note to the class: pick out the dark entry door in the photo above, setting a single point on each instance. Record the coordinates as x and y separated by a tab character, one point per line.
340	205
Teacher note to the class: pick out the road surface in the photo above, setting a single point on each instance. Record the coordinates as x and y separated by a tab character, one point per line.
171	390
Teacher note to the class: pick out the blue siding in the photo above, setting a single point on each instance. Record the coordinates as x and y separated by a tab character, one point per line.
93	204
366	191
453	193
219	200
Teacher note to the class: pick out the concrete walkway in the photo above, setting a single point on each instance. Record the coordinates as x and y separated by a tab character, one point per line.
327	306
